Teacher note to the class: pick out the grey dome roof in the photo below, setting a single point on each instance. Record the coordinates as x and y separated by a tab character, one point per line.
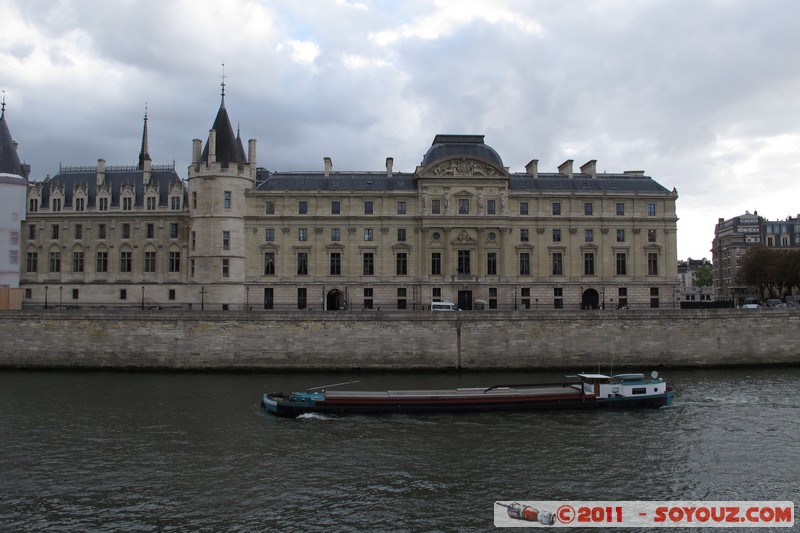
448	146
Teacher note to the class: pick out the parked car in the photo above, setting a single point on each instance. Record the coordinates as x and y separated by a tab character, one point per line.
751	306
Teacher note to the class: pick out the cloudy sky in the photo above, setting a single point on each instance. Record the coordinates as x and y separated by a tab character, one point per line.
703	95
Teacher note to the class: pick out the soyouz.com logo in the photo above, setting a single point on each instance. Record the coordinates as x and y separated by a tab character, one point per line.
640	513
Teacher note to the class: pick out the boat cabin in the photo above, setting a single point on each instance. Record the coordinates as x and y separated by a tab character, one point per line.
622	385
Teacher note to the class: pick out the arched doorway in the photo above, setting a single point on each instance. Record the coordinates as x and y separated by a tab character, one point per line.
590	299
335	300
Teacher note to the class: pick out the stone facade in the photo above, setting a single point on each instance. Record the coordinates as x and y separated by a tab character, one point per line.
460	227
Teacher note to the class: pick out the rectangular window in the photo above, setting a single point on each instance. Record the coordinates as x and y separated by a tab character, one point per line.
401	298
367	298
523	235
558	264
651	209
556	235
151	203
194	199
464	262
368	264
54	231
171	295
401	234
491	264
402	264
101	264
151	231
123	294
126	231
302	300
79	204
588	264
654	297
127	203
436	264
269	208
652	264
226	268
588	235
368	207
55	261
226	240
77	261
173	230
436	207
227	199
587	208
102	203
302	263
367	234
336	234
269	298
175	203
620	235
101	231
302	234
491	207
492	297
33	205
401	208
622	264
56	204
78	231
150	262
174	262
436	294
269	263
523	208
269	234
336	207
620	209
524	264
31	232
302	207
463	206
558	298
556	208
525	293
336	264
194	240
651	235
75	293
622	292
191	268
31	265
125	262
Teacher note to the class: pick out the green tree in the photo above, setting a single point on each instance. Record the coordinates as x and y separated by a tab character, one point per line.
703	276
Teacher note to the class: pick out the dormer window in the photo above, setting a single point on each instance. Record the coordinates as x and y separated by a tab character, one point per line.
151	203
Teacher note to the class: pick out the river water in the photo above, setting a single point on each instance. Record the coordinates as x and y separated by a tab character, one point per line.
118	451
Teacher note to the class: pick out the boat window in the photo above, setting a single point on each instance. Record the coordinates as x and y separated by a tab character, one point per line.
639	390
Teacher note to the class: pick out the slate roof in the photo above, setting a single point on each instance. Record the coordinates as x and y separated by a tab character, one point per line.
447	146
584	183
229	149
9	160
117	177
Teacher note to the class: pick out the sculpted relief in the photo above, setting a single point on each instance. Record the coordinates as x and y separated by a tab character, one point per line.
464	167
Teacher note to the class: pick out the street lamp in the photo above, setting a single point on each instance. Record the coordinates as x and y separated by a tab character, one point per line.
45	296
142	297
247	298
60	294
202	298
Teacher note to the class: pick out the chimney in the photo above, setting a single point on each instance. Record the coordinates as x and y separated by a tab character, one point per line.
532	168
566	168
328	165
197	149
389	165
590	167
212	147
101	172
634	173
251	152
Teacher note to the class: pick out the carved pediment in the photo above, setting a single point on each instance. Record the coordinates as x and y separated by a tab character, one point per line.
463	166
463	237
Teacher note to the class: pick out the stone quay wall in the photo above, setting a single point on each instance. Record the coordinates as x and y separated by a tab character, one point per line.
371	340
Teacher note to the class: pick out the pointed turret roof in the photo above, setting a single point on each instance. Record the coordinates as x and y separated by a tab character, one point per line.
144	154
228	151
9	160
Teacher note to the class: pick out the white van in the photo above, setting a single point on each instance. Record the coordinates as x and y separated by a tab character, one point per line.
444	306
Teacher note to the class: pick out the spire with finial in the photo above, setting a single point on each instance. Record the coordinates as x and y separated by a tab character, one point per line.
222	85
144	154
4	103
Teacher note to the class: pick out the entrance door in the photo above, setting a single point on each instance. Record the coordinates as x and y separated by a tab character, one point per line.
335	300
465	300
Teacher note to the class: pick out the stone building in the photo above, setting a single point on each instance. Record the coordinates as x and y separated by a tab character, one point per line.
461	227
